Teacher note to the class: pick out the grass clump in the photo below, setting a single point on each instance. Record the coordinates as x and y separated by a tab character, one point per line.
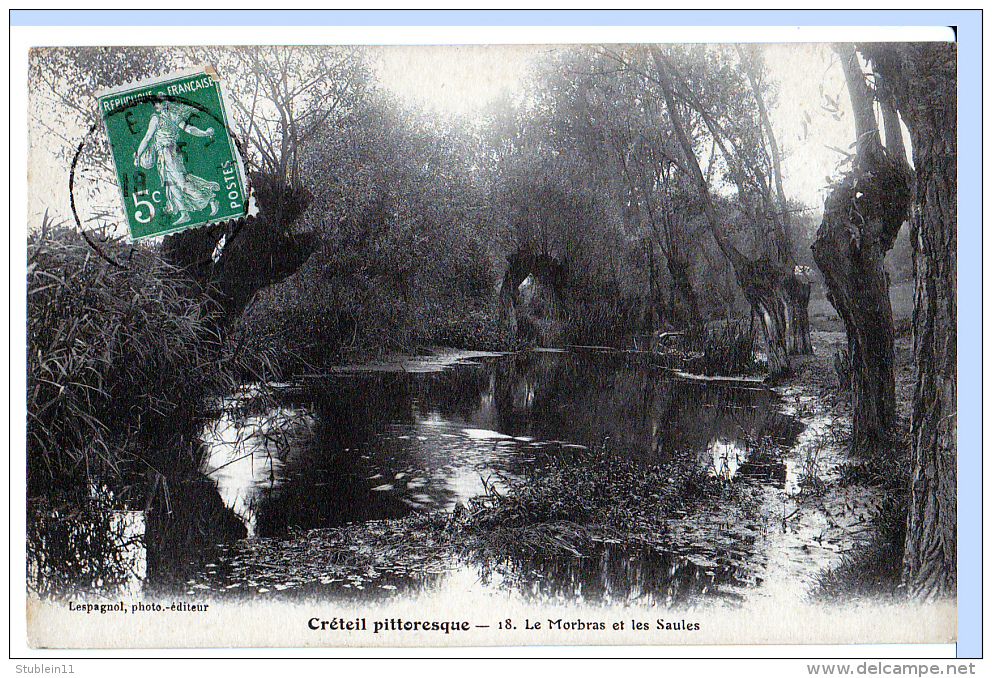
810	481
75	546
728	350
873	571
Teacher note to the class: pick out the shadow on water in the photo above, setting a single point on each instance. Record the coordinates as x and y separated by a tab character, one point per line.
182	533
616	574
359	461
354	449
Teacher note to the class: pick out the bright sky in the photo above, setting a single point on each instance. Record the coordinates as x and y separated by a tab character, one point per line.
800	69
460	79
454	78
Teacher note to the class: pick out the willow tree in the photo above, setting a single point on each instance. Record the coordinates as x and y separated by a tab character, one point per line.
797	291
861	219
761	279
284	98
660	193
742	131
640	170
565	200
915	83
919	81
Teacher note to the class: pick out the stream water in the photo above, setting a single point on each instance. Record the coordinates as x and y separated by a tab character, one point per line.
376	442
379	442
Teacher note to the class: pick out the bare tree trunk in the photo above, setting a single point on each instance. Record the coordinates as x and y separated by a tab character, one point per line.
850	253
861	219
922	78
931	542
682	286
255	255
764	287
797	299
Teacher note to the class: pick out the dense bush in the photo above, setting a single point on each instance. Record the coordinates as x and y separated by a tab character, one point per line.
313	320
602	319
403	259
114	353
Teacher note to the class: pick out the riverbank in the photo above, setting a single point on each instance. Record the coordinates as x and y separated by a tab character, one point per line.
853	509
619	482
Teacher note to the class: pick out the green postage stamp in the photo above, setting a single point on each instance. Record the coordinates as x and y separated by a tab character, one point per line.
176	161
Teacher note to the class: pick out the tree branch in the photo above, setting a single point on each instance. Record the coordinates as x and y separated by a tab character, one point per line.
727	247
865	124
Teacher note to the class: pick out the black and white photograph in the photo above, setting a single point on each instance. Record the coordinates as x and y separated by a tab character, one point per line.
611	343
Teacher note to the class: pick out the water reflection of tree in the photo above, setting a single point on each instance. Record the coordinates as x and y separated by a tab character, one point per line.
618	574
455	394
329	479
588	398
183	530
583	399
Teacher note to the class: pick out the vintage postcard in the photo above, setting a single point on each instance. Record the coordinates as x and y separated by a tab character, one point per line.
550	344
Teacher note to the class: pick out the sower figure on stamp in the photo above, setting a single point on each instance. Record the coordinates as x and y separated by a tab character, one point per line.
184	192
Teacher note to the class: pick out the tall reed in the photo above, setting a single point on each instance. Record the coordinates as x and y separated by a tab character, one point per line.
119	359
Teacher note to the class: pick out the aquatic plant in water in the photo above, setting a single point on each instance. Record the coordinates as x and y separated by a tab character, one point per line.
582	497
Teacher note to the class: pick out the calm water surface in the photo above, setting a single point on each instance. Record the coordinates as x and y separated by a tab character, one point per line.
368	445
